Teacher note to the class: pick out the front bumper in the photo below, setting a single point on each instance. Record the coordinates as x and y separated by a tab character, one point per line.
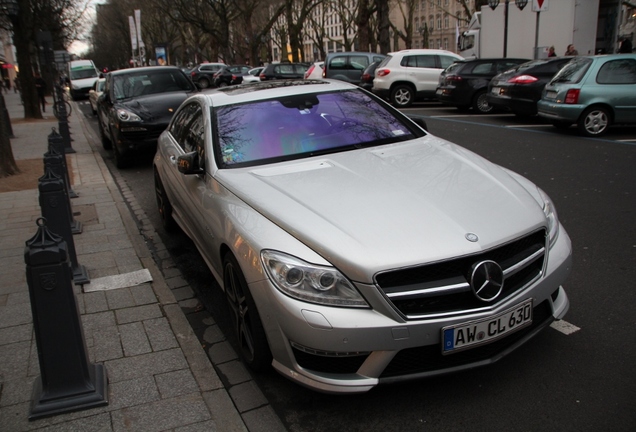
344	350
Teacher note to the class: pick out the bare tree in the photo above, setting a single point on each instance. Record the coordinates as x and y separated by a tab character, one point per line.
364	22
296	14
407	10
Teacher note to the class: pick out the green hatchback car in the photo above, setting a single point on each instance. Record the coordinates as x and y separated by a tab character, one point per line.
592	92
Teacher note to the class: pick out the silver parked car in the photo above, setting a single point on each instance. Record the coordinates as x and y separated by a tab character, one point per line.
354	247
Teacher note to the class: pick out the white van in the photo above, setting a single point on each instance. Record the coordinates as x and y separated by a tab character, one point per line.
82	74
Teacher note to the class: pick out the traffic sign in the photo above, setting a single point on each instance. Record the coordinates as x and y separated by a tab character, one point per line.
539	5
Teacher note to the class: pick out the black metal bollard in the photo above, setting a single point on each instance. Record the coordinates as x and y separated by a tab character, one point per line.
68	381
56	141
54	209
62	121
53	161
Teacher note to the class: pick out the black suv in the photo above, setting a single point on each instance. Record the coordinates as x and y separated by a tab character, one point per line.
464	84
284	71
230	75
203	75
348	66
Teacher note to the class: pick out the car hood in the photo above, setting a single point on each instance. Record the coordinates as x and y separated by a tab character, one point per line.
391	206
157	107
84	82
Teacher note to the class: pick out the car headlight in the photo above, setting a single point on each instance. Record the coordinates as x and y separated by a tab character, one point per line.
551	215
127	116
309	282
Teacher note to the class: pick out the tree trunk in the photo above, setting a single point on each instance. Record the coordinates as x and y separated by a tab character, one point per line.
8	166
384	37
23	51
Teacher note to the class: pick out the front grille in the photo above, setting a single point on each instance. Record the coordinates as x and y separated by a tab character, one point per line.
443	288
429	358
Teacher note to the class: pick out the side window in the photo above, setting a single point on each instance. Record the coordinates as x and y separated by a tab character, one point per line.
359	62
377	58
446	61
504	66
409	61
621	71
338	63
194	131
178	128
482	69
286	69
428	61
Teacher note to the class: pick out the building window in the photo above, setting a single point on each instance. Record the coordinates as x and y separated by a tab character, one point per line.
439	22
445	43
446	21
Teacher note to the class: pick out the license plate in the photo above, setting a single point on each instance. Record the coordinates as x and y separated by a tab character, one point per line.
438	92
495	90
471	334
550	94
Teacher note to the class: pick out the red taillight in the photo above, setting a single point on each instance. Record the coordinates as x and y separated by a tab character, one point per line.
572	96
523	79
309	71
365	77
234	77
262	77
453	78
383	72
192	73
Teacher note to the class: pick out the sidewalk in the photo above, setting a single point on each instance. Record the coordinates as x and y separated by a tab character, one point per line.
160	378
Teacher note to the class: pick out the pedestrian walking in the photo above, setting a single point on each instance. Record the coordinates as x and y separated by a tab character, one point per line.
571	51
40	86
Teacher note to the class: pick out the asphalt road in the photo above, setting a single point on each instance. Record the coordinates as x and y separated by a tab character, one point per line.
581	381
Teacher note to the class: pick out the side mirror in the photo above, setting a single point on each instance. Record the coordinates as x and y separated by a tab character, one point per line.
188	164
420	122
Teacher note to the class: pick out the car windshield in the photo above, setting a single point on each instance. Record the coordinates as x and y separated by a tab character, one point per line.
82	72
294	127
573	72
150	82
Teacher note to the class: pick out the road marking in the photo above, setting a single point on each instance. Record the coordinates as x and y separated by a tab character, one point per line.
627	140
530	126
564	327
118	281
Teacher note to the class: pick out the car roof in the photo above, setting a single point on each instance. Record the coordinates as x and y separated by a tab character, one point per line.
143	69
272	89
424	51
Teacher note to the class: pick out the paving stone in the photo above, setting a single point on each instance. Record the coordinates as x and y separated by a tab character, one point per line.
160	334
12	315
183	293
176	383
213	334
247	396
138	313
234	372
95	302
263	419
99	320
206	426
133	392
14	359
176	282
143	294
133	339
146	364
119	298
223	411
162	415
107	344
15	390
17	333
222	352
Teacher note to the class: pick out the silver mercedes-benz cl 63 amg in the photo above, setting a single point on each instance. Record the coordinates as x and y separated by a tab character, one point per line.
355	248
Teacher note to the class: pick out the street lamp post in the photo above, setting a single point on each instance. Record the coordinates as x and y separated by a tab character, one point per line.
493	5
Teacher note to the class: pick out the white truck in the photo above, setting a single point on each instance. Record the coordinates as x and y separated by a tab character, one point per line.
564	22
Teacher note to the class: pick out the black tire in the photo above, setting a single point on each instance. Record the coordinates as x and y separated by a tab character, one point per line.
223	84
246	322
204	83
120	161
106	143
480	103
594	122
164	206
402	96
